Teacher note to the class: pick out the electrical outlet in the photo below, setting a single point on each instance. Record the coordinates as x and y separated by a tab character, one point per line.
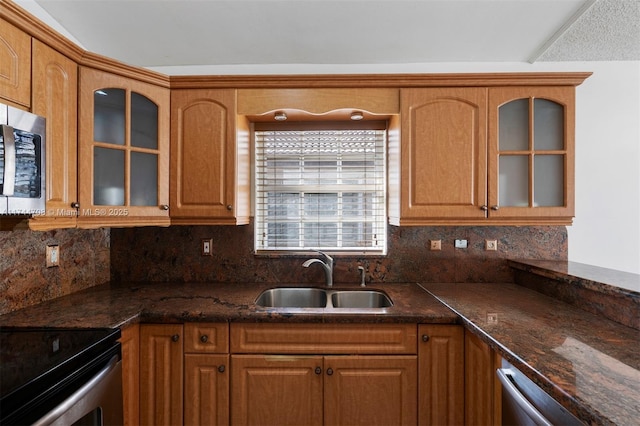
207	247
461	244
53	256
491	245
436	245
492	317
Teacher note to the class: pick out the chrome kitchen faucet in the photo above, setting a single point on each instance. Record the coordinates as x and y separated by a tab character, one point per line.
327	265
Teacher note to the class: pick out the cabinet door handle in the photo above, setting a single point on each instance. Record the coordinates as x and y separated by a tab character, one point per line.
318	370
204	338
75	205
425	337
484	208
229	207
221	369
164	207
329	371
175	337
495	208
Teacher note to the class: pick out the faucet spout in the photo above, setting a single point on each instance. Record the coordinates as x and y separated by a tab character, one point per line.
326	265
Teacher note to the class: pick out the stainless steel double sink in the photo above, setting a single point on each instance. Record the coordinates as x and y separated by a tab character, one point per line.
312	297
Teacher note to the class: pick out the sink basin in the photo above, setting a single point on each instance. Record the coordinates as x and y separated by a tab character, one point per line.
360	299
309	297
293	297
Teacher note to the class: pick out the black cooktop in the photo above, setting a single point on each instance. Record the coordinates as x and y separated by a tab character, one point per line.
40	363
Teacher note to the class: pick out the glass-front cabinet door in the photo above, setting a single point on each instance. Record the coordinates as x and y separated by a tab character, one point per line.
531	154
124	151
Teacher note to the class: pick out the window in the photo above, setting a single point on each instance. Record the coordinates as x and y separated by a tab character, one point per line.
321	189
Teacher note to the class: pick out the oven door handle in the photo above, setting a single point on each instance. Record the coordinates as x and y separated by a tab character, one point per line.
504	375
54	415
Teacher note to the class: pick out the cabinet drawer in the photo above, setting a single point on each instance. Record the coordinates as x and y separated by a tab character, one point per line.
324	338
206	337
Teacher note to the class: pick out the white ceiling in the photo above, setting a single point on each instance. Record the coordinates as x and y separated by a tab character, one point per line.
182	33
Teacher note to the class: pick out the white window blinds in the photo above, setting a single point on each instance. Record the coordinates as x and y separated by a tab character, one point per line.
320	189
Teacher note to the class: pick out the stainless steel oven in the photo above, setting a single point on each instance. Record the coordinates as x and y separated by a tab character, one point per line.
60	377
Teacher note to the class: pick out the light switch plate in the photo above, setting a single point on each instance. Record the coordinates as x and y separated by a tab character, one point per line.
207	247
461	244
53	255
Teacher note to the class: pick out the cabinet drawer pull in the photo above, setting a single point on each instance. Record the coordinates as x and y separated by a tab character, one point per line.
329	371
204	338
425	337
221	369
318	370
175	337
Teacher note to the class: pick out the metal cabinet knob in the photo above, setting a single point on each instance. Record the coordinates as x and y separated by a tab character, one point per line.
175	337
484	208
221	369
204	338
318	370
495	208
425	337
164	207
229	207
329	371
75	205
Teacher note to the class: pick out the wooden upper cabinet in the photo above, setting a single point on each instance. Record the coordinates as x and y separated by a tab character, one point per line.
443	155
531	154
55	96
123	151
209	158
15	64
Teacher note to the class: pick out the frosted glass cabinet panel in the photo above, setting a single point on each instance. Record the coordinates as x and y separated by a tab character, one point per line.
123	150
548	173
144	179
144	122
531	152
108	177
514	125
109	116
514	180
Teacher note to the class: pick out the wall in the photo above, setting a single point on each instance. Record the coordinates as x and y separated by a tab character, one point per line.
24	278
173	254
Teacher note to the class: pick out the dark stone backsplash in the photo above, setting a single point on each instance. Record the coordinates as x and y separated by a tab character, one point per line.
173	254
24	278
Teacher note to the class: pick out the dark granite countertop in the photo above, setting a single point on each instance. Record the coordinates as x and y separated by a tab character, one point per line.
588	363
116	305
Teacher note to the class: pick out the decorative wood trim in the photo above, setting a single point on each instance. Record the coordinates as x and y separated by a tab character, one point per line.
103	63
323	338
39	30
379	80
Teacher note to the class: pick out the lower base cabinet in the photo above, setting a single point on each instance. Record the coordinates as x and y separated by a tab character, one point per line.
206	389
441	374
482	389
302	374
317	390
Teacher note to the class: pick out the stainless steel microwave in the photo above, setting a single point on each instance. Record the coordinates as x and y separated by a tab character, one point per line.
22	162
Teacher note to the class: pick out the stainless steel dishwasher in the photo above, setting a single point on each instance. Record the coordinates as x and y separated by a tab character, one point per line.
525	403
